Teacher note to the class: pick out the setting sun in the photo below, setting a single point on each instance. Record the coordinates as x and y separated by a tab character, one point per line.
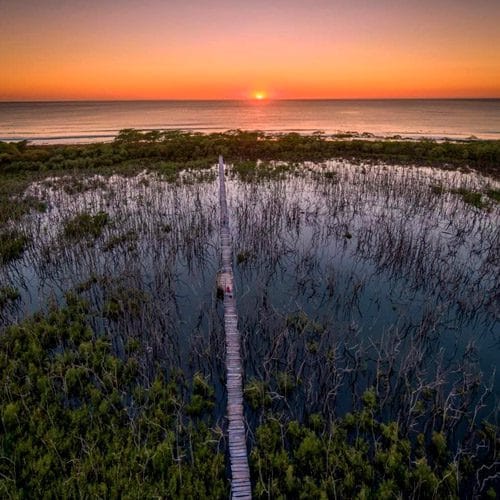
260	96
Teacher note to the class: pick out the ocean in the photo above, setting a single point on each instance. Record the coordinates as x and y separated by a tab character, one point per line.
86	121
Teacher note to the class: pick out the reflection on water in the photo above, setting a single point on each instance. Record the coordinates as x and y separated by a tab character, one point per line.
347	276
91	121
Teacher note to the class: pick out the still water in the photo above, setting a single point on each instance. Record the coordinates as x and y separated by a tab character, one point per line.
50	122
346	276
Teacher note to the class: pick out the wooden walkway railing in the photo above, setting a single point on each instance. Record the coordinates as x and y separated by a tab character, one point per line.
240	474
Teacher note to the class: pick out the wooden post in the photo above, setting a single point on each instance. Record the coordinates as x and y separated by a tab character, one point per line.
240	473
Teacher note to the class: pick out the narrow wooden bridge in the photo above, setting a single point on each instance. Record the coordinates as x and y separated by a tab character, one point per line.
240	474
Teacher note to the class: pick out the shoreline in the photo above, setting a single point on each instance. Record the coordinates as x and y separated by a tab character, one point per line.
183	148
66	122
171	152
104	138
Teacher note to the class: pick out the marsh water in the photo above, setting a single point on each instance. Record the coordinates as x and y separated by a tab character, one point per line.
347	276
60	122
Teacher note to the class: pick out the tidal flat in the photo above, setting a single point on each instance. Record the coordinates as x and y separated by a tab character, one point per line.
368	300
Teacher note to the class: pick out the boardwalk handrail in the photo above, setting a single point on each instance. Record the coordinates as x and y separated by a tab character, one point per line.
240	473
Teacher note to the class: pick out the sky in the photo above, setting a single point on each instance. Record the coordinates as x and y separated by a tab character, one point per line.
230	49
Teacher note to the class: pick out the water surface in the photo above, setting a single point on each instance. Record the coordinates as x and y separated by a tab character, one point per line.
346	276
50	122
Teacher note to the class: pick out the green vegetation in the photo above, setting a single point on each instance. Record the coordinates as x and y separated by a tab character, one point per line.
252	170
13	205
257	394
331	176
301	322
170	152
473	198
243	256
8	294
438	189
126	239
78	421
470	197
286	382
124	301
361	456
12	245
494	194
96	412
85	225
357	457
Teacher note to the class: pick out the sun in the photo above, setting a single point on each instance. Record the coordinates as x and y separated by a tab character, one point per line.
260	96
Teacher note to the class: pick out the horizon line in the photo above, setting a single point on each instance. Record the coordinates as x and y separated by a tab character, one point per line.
28	101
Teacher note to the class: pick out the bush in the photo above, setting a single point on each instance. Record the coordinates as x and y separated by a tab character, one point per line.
75	421
12	245
85	225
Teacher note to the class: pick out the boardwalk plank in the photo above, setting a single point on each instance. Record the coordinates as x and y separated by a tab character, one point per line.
238	454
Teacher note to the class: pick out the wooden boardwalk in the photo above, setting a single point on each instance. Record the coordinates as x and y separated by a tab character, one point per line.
240	473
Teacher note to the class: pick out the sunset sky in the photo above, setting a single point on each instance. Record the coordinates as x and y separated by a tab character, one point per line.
226	49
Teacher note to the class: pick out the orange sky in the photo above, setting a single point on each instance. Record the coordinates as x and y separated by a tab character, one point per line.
221	49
